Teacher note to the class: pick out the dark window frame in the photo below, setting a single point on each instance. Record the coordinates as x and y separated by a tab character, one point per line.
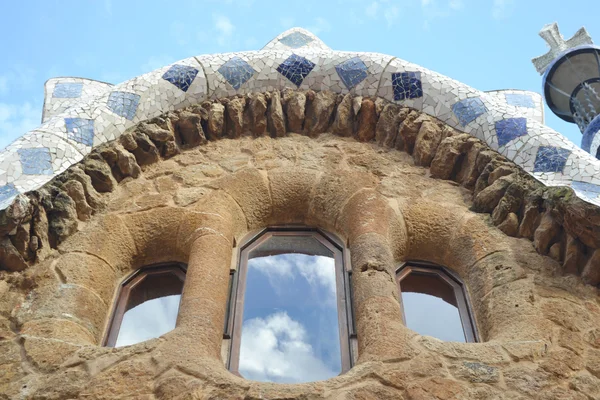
453	280
343	274
124	290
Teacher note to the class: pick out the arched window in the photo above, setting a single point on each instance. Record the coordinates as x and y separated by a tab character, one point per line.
147	305
291	315
435	303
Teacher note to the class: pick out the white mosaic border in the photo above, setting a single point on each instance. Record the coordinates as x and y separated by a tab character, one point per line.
157	95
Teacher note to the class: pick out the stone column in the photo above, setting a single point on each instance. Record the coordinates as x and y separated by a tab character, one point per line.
205	295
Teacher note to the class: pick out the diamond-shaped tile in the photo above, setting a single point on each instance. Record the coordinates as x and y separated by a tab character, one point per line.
7	191
587	189
296	39
407	85
468	110
509	129
296	68
550	159
519	100
352	72
236	71
124	104
36	161
80	130
67	90
181	76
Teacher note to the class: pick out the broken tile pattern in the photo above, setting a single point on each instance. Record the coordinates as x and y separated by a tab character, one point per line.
181	76
468	110
509	121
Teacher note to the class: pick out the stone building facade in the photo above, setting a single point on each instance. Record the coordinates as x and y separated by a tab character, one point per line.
394	183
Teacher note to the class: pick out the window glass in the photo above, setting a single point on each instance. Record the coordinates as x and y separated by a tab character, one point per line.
147	306
434	304
290	330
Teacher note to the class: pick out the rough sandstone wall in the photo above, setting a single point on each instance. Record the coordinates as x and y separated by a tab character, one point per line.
169	191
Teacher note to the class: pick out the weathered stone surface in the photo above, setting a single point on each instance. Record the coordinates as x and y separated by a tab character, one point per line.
257	109
546	233
489	197
62	219
10	259
188	129
275	116
408	131
446	163
388	123
573	255
591	270
366	121
319	110
76	192
295	103
343	124
100	173
427	142
476	372
91	196
510	225
156	133
216	121
234	110
127	163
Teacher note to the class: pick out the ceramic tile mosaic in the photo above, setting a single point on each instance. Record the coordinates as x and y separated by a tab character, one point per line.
67	90
468	110
236	71
80	114
181	76
295	68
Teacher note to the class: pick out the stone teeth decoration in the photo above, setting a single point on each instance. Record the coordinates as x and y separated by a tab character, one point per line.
80	114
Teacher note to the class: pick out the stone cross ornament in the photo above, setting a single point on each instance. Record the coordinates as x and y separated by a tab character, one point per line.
558	44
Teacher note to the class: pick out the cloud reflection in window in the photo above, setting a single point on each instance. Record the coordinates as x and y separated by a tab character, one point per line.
290	332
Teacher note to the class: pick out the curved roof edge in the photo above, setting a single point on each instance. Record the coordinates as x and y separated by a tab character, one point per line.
294	59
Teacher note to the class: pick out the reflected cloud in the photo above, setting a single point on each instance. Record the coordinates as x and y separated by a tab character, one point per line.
148	320
319	271
277	349
432	316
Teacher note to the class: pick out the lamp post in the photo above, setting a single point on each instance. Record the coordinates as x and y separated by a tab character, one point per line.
571	82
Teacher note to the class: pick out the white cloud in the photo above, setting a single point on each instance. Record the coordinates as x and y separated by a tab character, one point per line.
318	271
277	349
371	9
224	28
17	119
502	8
391	14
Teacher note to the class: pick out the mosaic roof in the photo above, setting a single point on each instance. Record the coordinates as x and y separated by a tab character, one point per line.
80	114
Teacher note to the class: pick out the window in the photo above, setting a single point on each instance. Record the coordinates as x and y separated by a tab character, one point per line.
435	303
147	305
291	316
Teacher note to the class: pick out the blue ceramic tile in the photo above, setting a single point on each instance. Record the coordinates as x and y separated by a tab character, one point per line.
236	71
124	104
519	100
407	85
509	129
550	159
587	189
36	161
80	130
468	110
7	191
352	72
181	76
67	90
296	39
296	68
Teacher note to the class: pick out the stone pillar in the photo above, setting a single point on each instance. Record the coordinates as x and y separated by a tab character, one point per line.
205	294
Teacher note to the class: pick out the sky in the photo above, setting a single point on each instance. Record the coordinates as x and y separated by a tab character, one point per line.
487	44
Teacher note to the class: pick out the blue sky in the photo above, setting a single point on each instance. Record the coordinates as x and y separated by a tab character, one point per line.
487	44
